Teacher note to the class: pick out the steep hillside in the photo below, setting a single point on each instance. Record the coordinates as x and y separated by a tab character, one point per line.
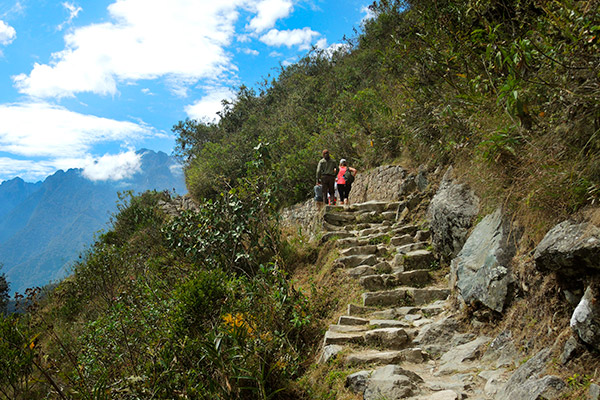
194	299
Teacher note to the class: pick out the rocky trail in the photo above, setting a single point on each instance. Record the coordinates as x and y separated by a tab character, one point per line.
404	340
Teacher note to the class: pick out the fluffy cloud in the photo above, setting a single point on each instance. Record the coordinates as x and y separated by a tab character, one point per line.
44	130
113	167
28	170
267	14
293	37
207	107
181	41
7	33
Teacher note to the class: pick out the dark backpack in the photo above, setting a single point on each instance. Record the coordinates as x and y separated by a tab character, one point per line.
348	177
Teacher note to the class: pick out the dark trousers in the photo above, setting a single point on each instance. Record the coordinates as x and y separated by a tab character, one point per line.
328	182
344	191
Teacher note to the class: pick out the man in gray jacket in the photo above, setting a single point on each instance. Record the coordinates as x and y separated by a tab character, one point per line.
326	172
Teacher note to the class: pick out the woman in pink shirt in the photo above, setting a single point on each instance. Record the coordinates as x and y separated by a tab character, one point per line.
343	186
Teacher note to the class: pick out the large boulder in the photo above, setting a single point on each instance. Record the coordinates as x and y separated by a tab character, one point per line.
585	320
382	183
481	272
529	383
451	214
570	248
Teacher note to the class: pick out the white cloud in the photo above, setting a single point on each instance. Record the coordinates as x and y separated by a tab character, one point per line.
369	14
44	130
251	52
182	41
294	37
207	107
28	170
73	12
7	33
113	167
267	14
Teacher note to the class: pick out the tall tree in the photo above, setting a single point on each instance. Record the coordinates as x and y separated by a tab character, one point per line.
4	288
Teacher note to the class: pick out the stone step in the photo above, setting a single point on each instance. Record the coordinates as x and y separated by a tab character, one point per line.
413	355
351	242
382	267
341	338
348	328
404	230
336	235
416	259
374	206
407	248
404	297
416	278
402	240
387	338
339	218
356	260
388	323
376	217
359	250
353	321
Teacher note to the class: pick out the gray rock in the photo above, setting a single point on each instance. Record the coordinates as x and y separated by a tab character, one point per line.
585	320
494	380
335	235
570	248
425	296
502	352
396	297
361	270
371	357
527	382
339	218
359	250
349	320
330	352
571	350
422	236
594	392
340	338
388	338
439	333
382	183
402	240
444	395
391	382
407	248
356	260
456	358
416	259
481	271
405	230
357	382
450	215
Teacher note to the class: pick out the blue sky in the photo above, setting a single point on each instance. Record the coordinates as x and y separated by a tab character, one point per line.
83	84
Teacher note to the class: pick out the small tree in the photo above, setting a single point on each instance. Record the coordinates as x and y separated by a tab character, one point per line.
4	288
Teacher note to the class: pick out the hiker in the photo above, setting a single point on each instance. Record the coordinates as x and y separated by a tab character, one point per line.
344	180
326	172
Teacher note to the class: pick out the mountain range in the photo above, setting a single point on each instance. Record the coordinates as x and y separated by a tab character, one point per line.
45	226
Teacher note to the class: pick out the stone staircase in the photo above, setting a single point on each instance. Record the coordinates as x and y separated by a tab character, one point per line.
402	339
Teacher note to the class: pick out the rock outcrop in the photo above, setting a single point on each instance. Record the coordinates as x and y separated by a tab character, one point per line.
481	273
451	214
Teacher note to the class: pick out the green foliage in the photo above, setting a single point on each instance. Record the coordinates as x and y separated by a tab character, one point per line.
16	358
4	292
